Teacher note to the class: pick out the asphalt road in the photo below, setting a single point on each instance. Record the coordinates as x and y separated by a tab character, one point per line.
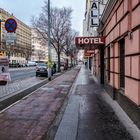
22	73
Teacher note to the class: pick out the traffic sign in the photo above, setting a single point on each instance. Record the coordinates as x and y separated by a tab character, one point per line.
10	25
10	38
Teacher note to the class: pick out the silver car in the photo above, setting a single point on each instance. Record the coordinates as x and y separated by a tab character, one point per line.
41	69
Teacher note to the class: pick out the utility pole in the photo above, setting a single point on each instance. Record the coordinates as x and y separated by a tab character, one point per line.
49	44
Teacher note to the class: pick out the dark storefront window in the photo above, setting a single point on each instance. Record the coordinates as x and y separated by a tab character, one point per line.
122	63
108	63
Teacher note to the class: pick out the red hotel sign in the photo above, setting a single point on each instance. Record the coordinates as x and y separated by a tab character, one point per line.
90	41
88	53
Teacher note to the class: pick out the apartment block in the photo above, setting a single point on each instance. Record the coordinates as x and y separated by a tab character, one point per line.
20	50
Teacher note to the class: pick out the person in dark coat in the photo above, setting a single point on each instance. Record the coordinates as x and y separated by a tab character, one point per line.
54	68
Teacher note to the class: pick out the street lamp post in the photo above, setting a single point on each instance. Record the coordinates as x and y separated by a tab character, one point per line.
49	44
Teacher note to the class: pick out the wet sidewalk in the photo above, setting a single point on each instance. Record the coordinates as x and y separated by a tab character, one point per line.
89	113
17	89
31	117
92	115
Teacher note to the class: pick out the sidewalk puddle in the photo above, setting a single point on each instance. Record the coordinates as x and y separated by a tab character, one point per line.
64	85
48	89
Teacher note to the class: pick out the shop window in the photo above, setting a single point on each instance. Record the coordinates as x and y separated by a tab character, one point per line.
122	63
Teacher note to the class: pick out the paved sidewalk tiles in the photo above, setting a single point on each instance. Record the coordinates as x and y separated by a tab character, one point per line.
18	85
31	117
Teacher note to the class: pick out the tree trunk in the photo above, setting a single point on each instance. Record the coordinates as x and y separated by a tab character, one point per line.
59	61
71	62
67	63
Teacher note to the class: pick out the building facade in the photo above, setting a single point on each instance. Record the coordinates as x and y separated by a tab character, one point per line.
117	64
18	51
39	48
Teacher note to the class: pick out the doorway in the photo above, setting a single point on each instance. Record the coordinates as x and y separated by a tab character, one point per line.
122	63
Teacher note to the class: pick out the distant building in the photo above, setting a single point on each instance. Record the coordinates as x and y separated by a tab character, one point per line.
54	54
39	48
20	50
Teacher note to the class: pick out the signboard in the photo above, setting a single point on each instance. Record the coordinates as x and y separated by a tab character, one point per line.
10	25
88	53
94	13
10	42
10	38
90	41
4	66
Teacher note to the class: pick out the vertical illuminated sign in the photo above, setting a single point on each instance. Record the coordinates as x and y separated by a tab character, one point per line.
94	13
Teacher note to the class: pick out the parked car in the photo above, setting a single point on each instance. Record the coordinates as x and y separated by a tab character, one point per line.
15	65
31	63
41	69
24	64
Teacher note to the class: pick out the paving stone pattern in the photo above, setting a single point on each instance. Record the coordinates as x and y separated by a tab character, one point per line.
18	85
31	118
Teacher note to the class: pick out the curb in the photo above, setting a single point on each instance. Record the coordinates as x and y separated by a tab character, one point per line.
55	124
8	100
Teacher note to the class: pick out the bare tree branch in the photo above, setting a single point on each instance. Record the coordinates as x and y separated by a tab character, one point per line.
60	26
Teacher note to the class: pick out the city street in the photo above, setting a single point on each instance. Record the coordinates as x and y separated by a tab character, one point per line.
32	116
20	73
70	72
21	86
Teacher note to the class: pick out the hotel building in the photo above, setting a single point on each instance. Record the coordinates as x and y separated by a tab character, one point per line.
117	64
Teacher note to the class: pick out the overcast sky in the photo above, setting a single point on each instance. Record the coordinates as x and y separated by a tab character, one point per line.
24	9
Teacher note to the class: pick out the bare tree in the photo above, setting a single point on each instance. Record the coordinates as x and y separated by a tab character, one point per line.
40	54
69	39
60	26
